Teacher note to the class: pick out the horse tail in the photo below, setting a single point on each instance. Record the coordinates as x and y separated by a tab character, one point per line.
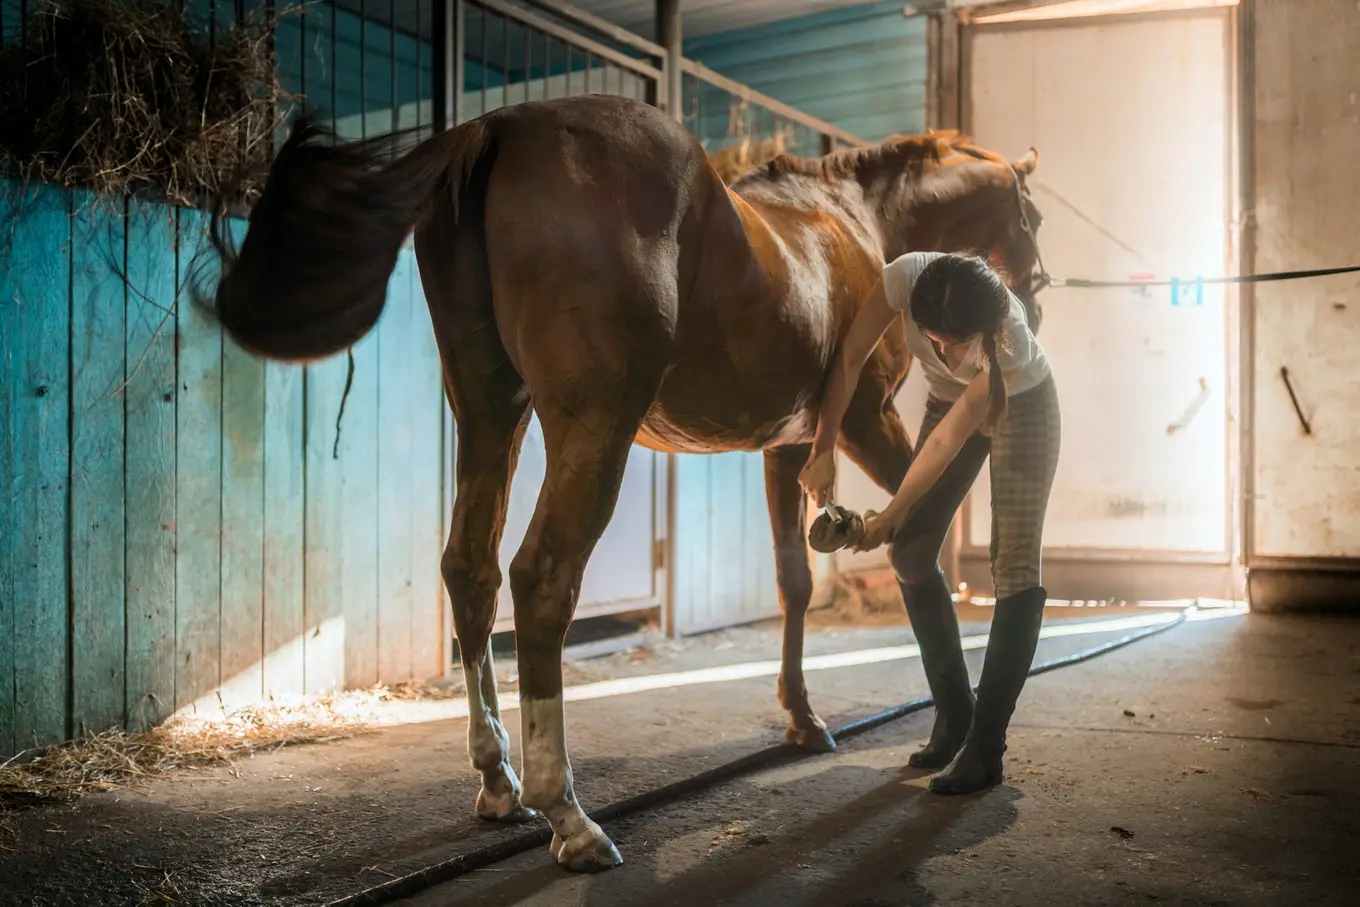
323	238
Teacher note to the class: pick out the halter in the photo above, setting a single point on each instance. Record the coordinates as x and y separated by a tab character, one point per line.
1043	278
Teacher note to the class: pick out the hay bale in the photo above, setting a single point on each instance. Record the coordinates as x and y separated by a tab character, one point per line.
121	96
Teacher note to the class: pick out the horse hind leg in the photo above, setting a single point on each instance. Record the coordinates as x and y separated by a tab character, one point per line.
793	574
492	410
473	577
587	453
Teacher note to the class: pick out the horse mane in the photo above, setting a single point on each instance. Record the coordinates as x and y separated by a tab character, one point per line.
895	152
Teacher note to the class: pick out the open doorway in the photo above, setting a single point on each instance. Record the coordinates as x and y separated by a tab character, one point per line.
1131	107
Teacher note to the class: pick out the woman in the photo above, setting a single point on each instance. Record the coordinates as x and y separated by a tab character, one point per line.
990	392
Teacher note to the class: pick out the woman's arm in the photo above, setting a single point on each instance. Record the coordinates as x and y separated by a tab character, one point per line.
940	448
866	330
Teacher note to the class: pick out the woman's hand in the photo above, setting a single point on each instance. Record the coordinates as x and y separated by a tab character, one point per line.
819	475
878	528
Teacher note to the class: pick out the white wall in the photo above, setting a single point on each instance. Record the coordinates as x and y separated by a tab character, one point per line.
1306	488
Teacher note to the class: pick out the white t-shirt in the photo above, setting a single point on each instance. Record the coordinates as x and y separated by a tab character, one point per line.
1018	352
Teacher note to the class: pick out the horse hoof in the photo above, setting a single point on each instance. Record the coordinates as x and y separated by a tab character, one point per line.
814	739
589	851
503	808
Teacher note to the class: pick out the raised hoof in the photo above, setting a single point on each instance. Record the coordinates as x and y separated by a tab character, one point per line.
814	739
968	773
503	808
589	851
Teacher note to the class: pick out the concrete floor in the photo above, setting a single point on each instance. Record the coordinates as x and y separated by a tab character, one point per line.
1235	780
1216	765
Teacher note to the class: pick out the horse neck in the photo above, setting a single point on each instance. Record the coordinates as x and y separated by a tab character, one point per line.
929	209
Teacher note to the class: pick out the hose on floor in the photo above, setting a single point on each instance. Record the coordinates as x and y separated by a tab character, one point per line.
482	857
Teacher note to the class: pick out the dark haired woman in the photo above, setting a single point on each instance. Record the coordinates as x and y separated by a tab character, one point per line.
990	392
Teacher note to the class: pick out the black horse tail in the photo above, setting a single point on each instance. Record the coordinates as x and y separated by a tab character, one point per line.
323	238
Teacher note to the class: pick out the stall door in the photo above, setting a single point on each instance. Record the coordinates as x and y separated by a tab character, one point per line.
1131	116
623	571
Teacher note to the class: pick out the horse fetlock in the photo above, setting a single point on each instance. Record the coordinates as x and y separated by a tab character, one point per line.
499	799
489	747
589	850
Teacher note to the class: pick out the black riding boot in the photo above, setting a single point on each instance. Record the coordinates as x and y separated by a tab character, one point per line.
936	626
1010	653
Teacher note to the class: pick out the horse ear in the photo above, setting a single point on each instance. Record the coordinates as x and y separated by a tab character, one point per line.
1025	166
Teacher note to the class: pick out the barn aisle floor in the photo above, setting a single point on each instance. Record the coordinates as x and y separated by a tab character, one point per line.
1235	780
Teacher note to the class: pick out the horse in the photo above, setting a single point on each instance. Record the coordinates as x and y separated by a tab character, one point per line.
582	259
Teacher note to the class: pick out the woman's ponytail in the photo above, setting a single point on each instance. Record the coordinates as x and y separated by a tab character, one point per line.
996	394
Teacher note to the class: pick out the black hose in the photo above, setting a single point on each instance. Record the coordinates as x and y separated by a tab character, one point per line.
482	857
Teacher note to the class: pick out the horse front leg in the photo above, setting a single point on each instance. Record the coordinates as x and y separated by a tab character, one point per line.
793	573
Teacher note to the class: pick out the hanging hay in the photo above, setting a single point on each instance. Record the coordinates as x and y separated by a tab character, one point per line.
114	759
738	159
125	95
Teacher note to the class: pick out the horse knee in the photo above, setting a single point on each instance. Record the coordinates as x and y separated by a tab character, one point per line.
472	590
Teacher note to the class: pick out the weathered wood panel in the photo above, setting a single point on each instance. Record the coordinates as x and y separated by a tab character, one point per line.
284	493
241	663
98	512
38	235
431	621
359	516
150	467
198	476
723	548
9	326
396	526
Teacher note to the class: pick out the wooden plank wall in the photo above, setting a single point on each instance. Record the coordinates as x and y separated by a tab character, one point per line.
723	549
180	531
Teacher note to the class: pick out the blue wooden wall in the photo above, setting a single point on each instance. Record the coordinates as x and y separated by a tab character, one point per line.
176	523
862	68
177	528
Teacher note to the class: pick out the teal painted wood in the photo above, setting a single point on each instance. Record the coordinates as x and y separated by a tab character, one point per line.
150	400
430	618
862	68
198	477
38	235
241	663
759	594
359	518
98	511
727	549
724	558
324	639
9	358
693	538
397	411
284	491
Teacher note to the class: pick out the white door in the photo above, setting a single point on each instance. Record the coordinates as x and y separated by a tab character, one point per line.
1131	116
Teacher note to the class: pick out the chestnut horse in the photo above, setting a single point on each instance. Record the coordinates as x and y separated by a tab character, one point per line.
582	259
